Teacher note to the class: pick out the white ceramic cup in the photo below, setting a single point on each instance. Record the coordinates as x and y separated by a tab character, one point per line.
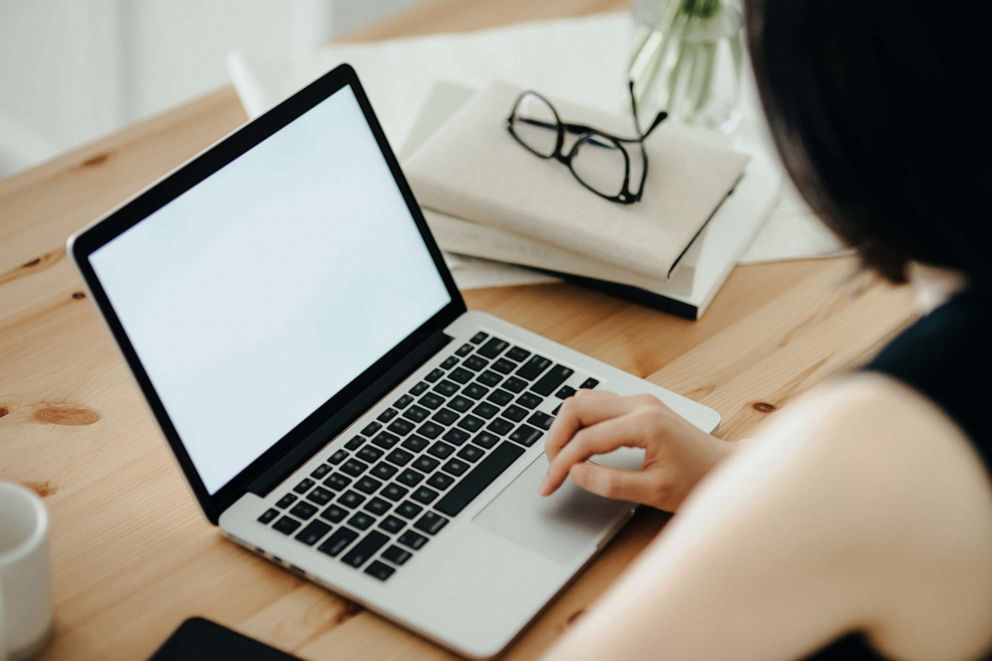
25	589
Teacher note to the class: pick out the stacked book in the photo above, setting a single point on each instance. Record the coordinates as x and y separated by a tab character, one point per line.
485	196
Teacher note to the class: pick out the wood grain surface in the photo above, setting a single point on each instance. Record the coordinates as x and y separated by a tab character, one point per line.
133	556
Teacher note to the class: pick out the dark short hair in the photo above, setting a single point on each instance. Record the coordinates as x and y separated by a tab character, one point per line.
880	111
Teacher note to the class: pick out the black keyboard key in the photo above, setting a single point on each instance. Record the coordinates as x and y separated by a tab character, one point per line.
486	439
471	423
320	496
426	464
430	429
455	466
394	492
446	388
475	363
500	397
371	428
416	443
553	378
557	408
268	515
517	354
396	555
449	362
514	413
424	495
338	457
529	400
419	388
478	478
478	337
410	477
504	366
493	347
400	426
286	501
337	481
533	367
320	471
386	415
440	449
565	392
383	471
526	435
431	400
303	510
514	384
456	436
400	457
440	481
589	383
286	525
361	520
351	499
464	350
392	525
500	426
379	570
431	523
416	413
377	506
475	391
461	375
541	419
485	410
313	532
354	467
413	540
434	375
409	509
338	541
489	378
354	443
334	513
304	486
460	403
445	417
403	402
369	454
385	440
470	453
365	549
368	485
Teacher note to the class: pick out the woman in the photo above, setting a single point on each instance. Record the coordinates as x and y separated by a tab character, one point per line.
858	521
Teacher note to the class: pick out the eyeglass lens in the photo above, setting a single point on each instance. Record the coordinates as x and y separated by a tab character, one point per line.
535	125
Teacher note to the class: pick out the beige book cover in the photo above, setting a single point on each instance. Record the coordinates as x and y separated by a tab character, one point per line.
474	169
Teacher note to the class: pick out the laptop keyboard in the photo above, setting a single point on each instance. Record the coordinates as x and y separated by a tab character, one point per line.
391	488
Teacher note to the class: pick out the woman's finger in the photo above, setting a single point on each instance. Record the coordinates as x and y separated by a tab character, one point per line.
609	482
597	439
580	411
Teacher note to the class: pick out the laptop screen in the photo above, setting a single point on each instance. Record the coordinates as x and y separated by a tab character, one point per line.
258	294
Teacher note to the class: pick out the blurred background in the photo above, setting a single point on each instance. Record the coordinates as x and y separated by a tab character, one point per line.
72	70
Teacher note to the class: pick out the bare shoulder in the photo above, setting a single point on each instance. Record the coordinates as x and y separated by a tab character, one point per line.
913	499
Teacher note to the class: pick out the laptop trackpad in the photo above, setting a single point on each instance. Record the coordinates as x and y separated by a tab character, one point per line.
561	527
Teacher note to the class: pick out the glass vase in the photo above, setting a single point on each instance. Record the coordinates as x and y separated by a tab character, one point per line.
688	60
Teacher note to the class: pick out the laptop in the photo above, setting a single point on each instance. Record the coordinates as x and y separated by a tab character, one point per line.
331	402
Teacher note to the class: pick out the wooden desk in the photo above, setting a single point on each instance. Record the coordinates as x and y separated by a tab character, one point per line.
132	555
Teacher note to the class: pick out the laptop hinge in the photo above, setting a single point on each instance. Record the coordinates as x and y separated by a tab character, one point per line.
296	457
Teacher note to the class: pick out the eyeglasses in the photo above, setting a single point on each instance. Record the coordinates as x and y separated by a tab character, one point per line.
599	160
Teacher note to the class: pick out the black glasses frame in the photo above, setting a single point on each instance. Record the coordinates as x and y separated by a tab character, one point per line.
592	137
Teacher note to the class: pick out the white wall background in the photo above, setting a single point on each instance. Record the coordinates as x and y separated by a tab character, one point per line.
72	70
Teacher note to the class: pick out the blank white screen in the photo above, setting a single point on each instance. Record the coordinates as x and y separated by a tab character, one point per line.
259	293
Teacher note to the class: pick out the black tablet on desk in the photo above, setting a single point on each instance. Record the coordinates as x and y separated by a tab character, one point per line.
198	638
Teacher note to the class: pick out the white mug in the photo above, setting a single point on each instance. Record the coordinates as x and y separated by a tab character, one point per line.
25	589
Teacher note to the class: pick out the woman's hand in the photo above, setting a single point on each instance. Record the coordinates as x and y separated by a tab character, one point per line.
677	455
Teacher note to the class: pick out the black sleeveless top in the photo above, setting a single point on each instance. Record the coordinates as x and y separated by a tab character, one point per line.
945	356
